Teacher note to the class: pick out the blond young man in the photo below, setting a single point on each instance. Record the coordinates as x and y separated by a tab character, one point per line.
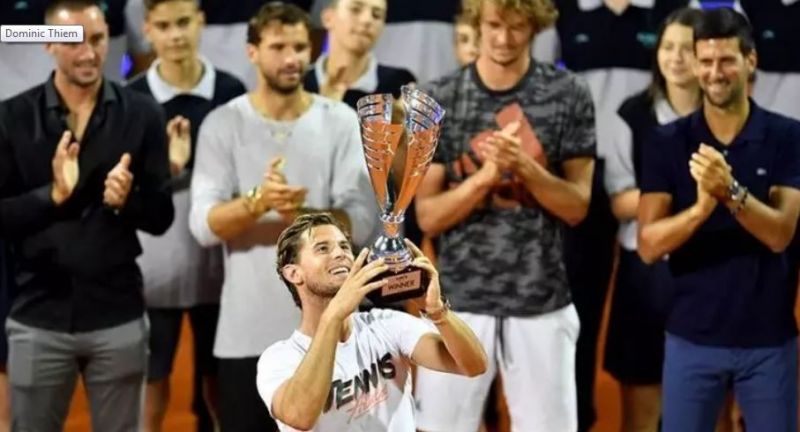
513	165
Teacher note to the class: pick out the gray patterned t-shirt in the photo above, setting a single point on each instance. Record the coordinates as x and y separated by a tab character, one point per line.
505	259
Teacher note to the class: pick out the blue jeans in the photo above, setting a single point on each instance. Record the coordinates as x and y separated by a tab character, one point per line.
697	377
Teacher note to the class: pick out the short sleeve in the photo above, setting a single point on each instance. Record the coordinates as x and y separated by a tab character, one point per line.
787	164
579	138
615	145
405	330
437	90
275	366
656	175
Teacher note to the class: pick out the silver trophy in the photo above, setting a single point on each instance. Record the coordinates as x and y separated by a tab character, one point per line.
399	141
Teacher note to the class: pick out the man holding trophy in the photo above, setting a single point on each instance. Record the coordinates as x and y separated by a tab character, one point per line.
342	370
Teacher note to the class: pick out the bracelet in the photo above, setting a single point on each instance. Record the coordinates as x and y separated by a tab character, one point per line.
252	201
437	316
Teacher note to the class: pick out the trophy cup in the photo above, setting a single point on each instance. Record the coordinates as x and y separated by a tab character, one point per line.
399	140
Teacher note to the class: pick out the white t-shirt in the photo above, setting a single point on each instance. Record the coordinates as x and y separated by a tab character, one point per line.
371	388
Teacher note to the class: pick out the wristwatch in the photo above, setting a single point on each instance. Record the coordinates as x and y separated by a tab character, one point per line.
738	194
736	191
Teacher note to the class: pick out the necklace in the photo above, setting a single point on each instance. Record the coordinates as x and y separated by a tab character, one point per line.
281	133
281	130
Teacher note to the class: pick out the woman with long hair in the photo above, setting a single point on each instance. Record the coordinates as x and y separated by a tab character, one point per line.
635	344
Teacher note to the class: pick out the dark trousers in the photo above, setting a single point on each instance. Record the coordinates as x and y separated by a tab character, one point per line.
241	408
589	258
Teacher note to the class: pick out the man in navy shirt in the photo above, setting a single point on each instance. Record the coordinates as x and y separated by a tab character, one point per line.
720	197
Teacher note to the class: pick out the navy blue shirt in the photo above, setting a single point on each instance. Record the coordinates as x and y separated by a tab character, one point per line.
731	290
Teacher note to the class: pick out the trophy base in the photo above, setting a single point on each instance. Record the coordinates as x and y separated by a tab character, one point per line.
411	282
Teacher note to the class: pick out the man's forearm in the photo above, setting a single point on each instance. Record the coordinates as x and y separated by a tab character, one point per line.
439	213
465	349
303	398
770	226
624	205
567	200
230	219
657	239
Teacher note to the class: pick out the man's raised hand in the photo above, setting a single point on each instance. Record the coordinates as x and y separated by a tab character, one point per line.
65	169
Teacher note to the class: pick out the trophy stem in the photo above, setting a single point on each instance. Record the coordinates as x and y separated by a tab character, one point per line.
392	224
389	245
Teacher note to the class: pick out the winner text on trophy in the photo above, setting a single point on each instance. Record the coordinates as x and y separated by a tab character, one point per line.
399	139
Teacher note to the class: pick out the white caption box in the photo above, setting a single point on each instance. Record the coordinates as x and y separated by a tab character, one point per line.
41	33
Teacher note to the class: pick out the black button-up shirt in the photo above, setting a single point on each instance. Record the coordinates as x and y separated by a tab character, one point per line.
75	265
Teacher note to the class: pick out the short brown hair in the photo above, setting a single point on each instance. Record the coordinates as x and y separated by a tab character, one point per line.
149	5
542	13
284	13
70	5
291	240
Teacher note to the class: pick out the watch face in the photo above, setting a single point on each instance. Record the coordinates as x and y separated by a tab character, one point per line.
736	191
733	189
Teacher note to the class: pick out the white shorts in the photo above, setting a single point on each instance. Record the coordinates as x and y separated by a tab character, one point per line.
536	357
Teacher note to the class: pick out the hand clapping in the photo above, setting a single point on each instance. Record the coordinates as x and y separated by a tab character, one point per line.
712	173
118	183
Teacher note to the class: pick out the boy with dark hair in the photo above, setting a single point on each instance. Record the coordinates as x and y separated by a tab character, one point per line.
350	70
180	276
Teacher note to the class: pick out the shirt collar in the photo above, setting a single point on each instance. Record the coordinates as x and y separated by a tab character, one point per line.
164	91
664	112
754	128
588	5
367	83
53	99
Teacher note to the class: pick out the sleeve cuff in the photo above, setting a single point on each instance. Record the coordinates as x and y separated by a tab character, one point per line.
43	197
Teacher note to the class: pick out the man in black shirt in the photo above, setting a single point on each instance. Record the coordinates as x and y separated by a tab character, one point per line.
83	166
